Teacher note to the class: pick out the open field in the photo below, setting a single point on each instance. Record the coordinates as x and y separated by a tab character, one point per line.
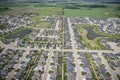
47	11
91	10
9	9
56	9
85	12
42	24
13	8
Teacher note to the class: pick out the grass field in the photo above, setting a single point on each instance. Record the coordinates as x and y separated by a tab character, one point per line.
42	24
29	8
87	13
56	9
111	10
9	8
47	11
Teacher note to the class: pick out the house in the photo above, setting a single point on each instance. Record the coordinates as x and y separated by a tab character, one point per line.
3	73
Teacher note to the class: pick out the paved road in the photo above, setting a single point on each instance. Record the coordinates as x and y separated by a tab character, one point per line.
57	25
114	47
47	66
65	50
112	72
17	66
74	49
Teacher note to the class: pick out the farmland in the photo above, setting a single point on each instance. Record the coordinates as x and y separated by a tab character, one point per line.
56	9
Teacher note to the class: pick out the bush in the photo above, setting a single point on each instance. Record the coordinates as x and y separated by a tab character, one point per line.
118	76
50	71
107	73
81	65
83	73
